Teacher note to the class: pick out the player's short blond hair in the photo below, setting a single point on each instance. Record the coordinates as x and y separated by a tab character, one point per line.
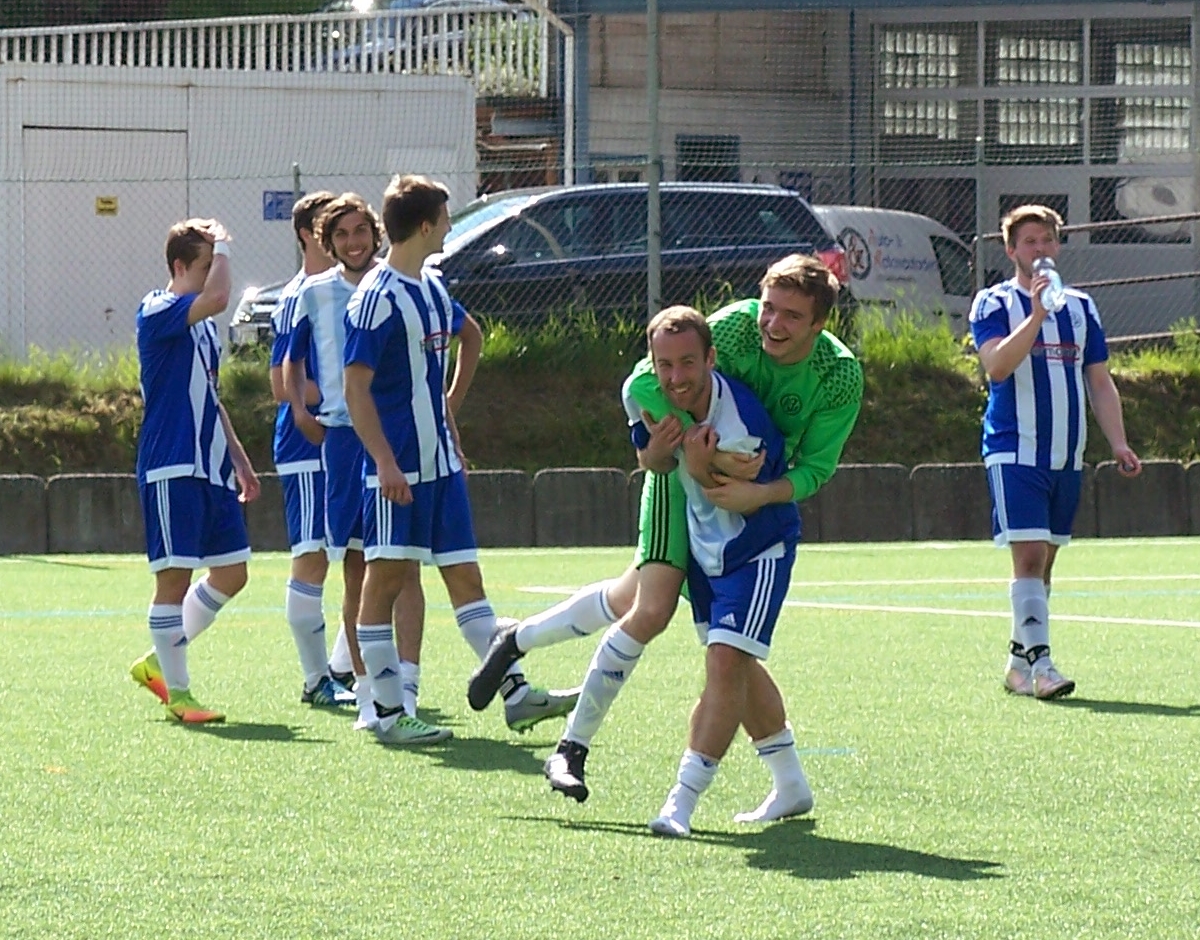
185	241
1015	218
680	319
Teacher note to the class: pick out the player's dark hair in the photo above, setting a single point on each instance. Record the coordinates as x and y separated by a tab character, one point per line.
680	319
1015	218
810	277
185	240
410	200
327	220
306	209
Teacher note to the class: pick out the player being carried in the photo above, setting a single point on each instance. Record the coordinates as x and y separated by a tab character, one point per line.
811	385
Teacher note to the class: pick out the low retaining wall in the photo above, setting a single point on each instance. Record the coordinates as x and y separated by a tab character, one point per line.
561	507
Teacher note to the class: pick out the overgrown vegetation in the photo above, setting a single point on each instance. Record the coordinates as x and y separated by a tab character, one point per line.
549	397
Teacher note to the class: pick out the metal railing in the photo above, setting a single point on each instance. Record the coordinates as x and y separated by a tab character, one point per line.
504	51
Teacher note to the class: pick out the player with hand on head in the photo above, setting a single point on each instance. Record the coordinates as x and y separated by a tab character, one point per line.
190	464
1041	367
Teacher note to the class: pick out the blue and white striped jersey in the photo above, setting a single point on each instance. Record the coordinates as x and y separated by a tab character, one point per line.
1037	416
401	329
320	320
182	434
722	541
293	452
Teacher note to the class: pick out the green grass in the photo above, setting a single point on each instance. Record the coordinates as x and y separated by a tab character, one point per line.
944	808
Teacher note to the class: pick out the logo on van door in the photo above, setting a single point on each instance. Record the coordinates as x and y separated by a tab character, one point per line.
858	253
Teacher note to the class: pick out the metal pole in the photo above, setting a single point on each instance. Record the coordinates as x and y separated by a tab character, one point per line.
653	167
296	194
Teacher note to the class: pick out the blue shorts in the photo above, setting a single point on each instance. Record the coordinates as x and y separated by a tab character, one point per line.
739	609
1030	504
435	528
304	509
342	454
190	523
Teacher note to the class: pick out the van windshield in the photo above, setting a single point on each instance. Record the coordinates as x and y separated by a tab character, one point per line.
474	215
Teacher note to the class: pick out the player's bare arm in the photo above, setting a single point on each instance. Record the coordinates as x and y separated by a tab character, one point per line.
247	479
470	348
1001	356
296	389
1106	406
365	418
745	497
214	297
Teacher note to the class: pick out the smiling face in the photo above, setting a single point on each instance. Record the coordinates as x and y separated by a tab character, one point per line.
684	369
788	323
353	240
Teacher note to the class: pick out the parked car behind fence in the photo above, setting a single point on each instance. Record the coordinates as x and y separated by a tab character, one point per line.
521	255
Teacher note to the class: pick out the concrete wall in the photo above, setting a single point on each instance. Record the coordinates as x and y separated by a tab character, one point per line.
583	506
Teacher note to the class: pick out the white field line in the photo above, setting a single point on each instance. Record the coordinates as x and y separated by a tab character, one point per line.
1003	615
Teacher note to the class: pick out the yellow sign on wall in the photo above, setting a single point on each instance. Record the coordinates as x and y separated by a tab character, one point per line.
106	205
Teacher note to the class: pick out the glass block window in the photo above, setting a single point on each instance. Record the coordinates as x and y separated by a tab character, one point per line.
921	58
1027	61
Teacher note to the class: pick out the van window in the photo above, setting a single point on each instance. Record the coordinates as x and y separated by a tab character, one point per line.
954	263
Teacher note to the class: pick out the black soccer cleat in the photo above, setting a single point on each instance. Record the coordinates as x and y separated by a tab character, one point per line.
487	679
564	770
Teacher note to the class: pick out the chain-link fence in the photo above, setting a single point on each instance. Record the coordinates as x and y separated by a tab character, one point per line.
767	124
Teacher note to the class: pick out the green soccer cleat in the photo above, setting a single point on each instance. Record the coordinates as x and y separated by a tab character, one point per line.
183	707
537	706
146	673
410	730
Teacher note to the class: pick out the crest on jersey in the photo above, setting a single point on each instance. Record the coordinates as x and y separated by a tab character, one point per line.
791	404
436	342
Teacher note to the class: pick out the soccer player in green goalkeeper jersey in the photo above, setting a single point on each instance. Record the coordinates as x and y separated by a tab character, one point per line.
811	385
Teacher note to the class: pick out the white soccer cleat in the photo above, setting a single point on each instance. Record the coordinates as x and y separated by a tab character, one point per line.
1019	681
1049	683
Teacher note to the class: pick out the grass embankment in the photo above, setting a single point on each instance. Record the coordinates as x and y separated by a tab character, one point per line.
550	398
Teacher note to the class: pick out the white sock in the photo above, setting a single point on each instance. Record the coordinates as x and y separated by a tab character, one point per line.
201	605
339	660
1031	613
696	772
379	655
582	614
170	643
410	677
367	718
790	795
302	603
613	663
477	624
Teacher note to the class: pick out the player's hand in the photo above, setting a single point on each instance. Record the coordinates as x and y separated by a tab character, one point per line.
665	437
312	429
1037	284
699	448
392	484
740	496
217	232
248	482
739	466
1128	463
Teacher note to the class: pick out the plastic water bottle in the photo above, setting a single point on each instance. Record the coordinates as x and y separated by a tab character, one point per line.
1054	298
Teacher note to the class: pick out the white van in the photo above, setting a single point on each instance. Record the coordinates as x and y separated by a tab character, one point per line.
903	261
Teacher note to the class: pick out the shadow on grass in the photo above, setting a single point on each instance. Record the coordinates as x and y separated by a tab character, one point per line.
60	563
478	754
1105	707
249	731
795	848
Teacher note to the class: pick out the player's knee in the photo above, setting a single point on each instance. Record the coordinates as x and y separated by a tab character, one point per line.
727	665
647	620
